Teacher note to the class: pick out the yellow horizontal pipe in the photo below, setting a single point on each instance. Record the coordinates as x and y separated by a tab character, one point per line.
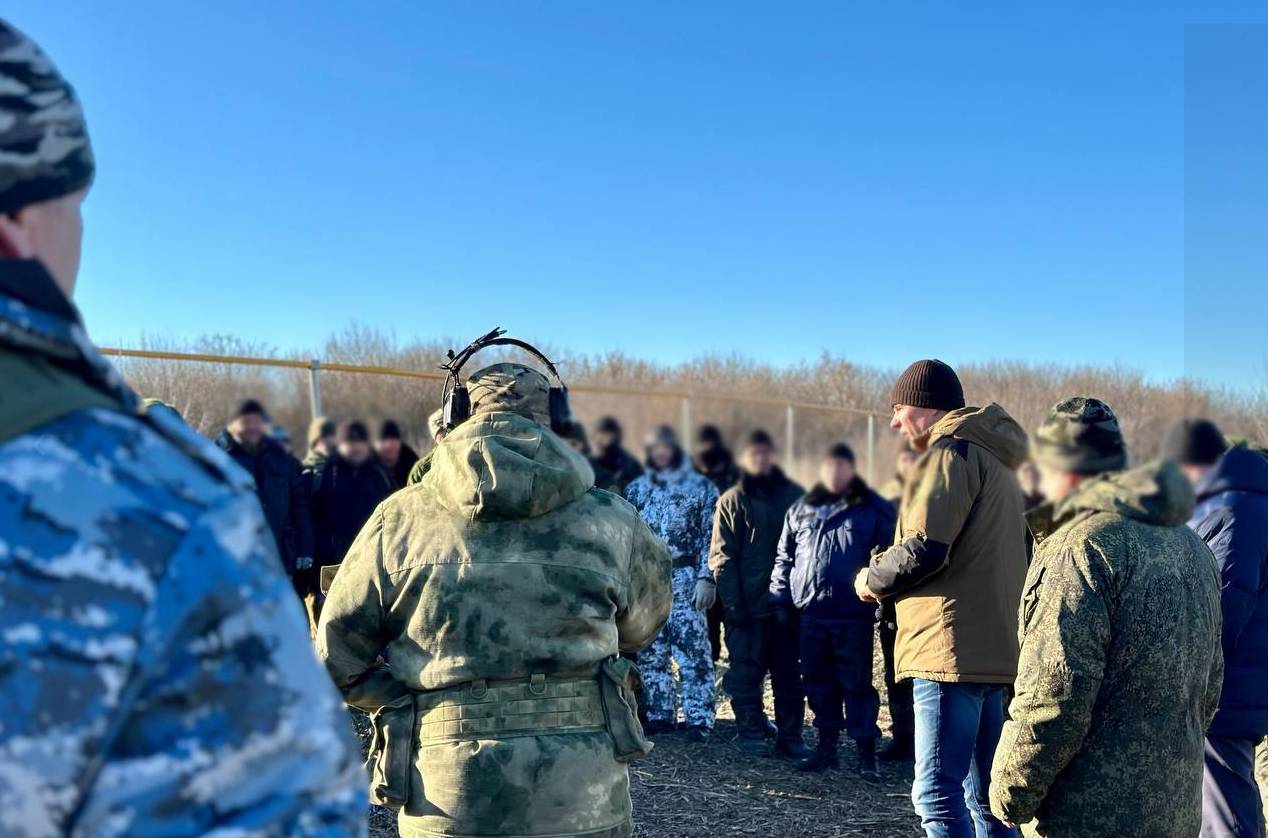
437	376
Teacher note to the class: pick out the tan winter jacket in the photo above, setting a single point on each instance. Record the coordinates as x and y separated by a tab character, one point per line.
958	561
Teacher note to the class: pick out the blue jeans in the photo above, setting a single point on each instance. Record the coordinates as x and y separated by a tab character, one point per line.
957	729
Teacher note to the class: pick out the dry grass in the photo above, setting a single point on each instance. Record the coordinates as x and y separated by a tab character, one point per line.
206	393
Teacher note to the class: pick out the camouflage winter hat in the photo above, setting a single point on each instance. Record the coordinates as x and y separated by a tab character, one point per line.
44	148
1081	435
510	387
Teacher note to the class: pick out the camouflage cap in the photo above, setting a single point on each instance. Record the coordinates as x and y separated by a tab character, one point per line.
514	388
44	148
1081	435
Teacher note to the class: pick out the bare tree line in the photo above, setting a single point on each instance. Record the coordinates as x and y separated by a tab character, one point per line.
206	393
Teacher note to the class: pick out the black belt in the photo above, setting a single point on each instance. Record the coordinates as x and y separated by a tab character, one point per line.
686	561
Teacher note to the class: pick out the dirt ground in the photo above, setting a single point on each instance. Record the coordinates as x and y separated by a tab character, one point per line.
689	790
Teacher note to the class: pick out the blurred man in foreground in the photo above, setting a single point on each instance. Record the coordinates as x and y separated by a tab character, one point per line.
1120	644
499	591
1231	482
828	537
155	675
760	638
955	573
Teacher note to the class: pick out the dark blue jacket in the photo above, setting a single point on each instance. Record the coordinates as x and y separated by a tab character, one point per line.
827	539
1232	518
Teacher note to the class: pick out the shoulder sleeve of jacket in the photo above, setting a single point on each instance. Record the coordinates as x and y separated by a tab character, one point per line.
225	626
352	630
932	518
1238	537
301	511
1066	628
707	511
724	551
785	558
650	592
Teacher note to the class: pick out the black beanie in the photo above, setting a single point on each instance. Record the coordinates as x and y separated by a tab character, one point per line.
609	425
929	383
759	438
709	435
841	451
249	407
389	430
1194	442
354	431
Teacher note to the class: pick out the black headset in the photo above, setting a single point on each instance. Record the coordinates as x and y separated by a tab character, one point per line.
457	401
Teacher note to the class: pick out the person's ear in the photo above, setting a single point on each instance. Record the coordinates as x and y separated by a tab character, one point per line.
15	236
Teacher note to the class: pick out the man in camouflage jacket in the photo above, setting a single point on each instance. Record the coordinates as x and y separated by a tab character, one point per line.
1120	665
476	616
155	674
678	502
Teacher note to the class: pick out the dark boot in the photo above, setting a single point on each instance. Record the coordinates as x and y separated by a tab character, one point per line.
825	754
656	727
867	759
792	749
755	745
899	749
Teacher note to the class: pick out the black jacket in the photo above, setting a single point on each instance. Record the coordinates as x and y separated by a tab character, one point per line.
746	530
282	492
615	469
344	497
399	473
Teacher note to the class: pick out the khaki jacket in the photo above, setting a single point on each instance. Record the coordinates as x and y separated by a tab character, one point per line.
956	568
502	565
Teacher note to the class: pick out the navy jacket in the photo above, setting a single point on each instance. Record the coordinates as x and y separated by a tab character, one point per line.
826	540
1232	518
283	494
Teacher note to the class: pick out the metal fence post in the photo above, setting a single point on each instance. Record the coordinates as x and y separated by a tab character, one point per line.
790	438
314	387
871	450
686	423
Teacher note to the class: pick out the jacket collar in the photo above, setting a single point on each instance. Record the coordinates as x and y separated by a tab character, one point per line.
36	318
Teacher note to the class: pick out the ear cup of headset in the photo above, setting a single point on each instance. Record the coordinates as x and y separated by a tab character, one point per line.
457	407
560	411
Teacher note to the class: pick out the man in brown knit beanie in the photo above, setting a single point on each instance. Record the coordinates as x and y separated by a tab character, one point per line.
954	576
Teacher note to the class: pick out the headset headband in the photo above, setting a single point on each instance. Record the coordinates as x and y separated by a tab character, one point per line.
494	338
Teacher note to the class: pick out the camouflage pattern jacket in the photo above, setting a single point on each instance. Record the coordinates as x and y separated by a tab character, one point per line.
678	503
1120	665
501	565
156	676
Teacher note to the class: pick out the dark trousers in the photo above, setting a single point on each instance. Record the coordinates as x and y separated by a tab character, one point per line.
899	692
757	647
836	666
1230	796
715	628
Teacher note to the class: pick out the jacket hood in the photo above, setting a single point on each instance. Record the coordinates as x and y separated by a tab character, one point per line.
1156	493
990	427
503	466
1241	469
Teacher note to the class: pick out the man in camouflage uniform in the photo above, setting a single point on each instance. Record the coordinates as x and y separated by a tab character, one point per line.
155	674
479	614
678	502
1120	665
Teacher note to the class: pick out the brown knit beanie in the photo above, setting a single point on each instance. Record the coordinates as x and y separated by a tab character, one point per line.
929	383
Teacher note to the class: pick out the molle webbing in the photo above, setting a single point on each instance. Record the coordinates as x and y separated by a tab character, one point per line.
496	709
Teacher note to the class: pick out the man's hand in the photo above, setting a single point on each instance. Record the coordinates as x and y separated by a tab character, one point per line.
706	594
860	587
303	562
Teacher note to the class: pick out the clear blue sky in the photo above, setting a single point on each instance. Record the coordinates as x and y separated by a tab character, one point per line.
884	181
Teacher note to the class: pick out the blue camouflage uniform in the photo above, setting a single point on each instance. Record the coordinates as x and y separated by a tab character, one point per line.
156	677
678	503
